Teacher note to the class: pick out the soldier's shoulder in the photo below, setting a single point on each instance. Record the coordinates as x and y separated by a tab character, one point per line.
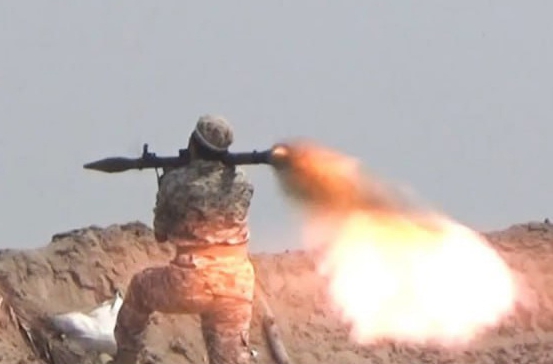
192	170
201	171
177	177
175	174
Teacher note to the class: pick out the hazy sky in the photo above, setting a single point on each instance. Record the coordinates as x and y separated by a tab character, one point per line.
454	99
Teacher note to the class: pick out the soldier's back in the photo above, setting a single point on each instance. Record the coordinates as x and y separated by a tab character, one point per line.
205	200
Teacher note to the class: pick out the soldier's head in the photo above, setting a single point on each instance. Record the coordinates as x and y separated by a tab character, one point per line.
211	138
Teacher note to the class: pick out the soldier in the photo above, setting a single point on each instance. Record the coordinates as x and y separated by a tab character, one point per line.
202	209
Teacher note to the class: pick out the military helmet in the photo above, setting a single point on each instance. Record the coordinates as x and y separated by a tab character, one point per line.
214	133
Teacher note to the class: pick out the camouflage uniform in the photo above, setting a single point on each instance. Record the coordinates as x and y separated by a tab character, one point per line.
202	209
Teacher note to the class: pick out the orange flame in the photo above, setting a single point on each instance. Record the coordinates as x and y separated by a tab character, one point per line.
394	272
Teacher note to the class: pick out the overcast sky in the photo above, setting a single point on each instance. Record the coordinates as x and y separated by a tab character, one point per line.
454	99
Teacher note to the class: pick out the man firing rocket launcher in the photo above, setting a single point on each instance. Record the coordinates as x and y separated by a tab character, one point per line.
363	231
201	207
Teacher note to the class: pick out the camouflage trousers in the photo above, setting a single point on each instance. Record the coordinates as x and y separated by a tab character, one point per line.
219	289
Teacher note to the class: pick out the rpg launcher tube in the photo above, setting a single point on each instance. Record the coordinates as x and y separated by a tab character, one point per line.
121	164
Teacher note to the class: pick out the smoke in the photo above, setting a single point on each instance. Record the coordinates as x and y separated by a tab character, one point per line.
396	270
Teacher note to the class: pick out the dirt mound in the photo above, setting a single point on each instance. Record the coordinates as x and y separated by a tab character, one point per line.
82	268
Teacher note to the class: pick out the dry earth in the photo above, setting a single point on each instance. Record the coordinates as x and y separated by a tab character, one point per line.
81	268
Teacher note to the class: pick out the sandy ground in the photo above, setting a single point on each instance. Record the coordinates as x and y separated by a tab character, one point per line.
82	268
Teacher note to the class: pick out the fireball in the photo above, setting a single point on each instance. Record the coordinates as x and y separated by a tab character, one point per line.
394	271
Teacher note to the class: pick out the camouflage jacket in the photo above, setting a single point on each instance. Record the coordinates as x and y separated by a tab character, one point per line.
204	202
